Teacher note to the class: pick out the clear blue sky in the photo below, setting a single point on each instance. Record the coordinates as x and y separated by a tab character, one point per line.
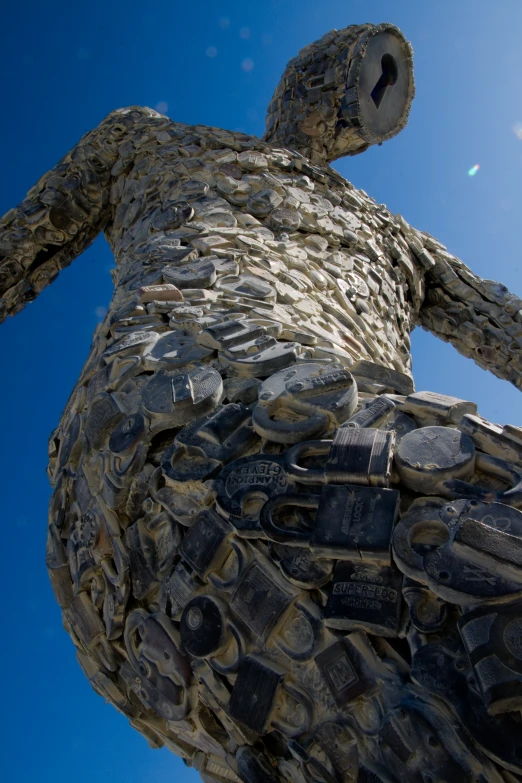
64	67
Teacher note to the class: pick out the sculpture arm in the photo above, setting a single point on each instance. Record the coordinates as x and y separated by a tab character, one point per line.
481	318
64	212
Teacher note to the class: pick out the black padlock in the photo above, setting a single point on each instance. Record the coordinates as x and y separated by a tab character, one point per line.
261	598
203	627
352	522
205	545
365	596
346	669
492	636
253	696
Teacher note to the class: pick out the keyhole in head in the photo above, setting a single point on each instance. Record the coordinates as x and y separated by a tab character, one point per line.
387	78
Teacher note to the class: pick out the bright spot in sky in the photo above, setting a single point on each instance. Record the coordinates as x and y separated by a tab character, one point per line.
100	312
211	51
244	33
162	107
224	23
247	64
473	170
517	130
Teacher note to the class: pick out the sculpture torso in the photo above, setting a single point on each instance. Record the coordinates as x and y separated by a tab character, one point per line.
321	251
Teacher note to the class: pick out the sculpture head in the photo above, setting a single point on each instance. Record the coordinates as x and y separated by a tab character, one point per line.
348	90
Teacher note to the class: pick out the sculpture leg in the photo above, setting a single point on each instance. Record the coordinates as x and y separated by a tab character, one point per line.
283	570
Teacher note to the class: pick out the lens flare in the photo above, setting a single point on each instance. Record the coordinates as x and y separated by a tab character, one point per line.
473	170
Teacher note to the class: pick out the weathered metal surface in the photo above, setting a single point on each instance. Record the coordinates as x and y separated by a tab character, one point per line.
272	555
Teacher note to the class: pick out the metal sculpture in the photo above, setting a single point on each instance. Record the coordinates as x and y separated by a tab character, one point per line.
272	554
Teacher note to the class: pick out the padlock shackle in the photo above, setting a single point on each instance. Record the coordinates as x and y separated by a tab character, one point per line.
455	488
286	431
307	448
278	534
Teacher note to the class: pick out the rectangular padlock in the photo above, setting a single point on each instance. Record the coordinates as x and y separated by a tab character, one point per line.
492	636
355	523
365	596
205	547
377	373
361	456
344	667
259	600
254	693
433	408
376	411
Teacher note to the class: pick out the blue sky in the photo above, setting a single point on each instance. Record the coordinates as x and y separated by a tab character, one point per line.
65	66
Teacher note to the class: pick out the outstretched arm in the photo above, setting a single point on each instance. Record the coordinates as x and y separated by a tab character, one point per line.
481	318
63	213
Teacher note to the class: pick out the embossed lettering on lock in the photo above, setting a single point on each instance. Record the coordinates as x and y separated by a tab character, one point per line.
352	522
374	413
365	596
244	486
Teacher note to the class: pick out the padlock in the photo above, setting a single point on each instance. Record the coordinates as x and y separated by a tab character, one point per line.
443	669
389	379
176	398
365	596
432	408
428	457
206	544
205	445
428	612
301	567
355	456
164	675
458	556
173	350
104	414
375	412
254	695
203	627
312	397
197	274
491	439
261	598
259	361
492	636
347	669
244	486
352	522
177	589
227	334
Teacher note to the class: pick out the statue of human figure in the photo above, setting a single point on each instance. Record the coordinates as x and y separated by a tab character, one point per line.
272	554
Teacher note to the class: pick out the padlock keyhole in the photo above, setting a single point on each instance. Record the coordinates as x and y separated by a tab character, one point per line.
387	78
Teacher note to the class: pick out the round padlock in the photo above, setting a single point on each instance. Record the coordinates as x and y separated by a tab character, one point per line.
303	401
429	456
202	627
